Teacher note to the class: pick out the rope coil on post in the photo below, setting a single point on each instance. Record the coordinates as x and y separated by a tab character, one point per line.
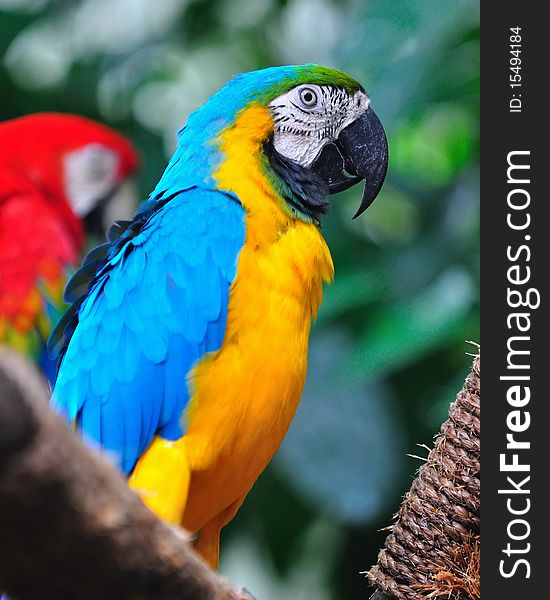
433	548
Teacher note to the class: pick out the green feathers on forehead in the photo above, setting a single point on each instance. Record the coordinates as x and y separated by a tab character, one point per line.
279	80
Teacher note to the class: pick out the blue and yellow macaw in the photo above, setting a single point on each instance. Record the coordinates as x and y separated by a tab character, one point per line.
184	353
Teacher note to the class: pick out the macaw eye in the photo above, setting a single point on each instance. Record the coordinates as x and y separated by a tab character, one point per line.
308	97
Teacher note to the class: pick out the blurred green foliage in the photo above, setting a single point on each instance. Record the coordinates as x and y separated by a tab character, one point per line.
388	351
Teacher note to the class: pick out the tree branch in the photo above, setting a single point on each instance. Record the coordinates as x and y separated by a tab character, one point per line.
71	528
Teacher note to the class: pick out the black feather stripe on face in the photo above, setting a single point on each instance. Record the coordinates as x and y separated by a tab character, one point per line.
301	130
304	192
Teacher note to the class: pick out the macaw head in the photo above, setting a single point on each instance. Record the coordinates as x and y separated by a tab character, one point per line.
75	162
314	128
323	120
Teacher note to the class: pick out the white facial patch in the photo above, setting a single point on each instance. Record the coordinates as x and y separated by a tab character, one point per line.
90	176
309	116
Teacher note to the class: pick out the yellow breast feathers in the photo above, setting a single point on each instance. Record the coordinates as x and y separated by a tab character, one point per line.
245	395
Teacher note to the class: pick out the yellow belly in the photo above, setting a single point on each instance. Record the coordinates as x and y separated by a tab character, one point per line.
245	395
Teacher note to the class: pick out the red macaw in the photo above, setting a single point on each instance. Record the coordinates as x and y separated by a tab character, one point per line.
58	172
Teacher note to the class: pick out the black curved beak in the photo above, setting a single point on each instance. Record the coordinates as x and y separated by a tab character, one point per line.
360	152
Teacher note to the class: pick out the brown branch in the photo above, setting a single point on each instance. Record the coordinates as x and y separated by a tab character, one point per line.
433	549
70	527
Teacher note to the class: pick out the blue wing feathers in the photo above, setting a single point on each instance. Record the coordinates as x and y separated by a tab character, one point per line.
157	303
91	417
